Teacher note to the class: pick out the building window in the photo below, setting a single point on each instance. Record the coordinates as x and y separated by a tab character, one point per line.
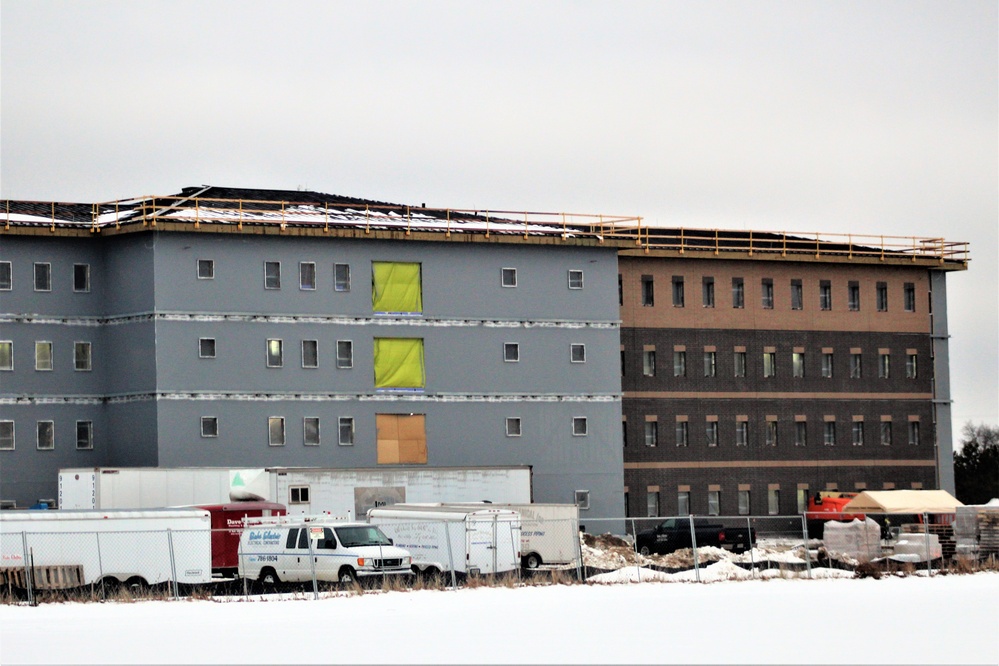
84	435
511	352
858	433
678	299
886	433
81	356
513	426
825	295
913	433
797	364
345	430
739	360
742	433
43	277
856	366
769	364
882	290
206	348
853	296
710	364
909	290
508	277
648	291
275	353
683	503
577	353
6	276
743	502
714	502
310	353
797	295
910	366
341	277
767	294
830	433
298	495
681	433
624	433
581	498
272	275
6	435
623	364
275	431
310	431
827	364
344	354
651	433
771	433
738	293
708	292
209	426
711	433
399	364
801	433
45	435
81	277
620	289
579	426
6	355
306	275
802	498
649	363
652	503
575	279
773	502
206	269
883	365
43	355
679	364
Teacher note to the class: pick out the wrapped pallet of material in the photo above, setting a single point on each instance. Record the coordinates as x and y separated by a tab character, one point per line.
912	546
858	540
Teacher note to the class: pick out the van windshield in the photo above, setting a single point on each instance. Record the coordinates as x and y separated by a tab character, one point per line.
362	535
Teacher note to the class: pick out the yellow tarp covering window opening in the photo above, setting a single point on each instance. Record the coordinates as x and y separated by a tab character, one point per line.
396	287
402	438
399	363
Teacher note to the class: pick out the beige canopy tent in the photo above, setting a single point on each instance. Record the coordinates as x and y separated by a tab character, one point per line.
903	501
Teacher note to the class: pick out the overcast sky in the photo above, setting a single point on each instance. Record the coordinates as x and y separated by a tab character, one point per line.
864	117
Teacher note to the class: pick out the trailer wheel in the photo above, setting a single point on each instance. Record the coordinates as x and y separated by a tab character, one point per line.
532	561
644	550
110	584
137	585
347	575
268	576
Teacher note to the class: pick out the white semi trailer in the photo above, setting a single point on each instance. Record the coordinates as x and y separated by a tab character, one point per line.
65	549
304	490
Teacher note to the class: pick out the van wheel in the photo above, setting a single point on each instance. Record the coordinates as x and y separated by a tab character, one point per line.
644	550
269	577
347	575
532	561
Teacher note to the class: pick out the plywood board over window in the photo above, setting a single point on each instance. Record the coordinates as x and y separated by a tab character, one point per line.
402	438
399	363
396	287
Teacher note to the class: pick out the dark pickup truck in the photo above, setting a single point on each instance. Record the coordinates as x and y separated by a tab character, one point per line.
674	533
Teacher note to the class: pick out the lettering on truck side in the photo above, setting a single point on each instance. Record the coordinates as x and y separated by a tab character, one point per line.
264	538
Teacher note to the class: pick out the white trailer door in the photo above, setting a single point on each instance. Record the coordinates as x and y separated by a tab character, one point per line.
480	547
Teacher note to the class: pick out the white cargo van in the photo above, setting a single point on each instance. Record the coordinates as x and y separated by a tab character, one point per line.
469	540
292	548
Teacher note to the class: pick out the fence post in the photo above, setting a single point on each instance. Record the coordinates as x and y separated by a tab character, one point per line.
693	548
450	554
173	564
926	535
752	556
100	566
27	567
495	545
808	554
578	535
638	564
312	565
242	566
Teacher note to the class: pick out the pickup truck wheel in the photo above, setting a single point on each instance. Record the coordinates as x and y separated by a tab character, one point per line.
644	550
269	577
532	561
347	575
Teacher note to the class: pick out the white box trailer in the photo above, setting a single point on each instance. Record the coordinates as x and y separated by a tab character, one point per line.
441	539
304	490
549	533
73	548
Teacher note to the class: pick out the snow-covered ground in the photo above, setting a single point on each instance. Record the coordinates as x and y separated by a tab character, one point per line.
911	620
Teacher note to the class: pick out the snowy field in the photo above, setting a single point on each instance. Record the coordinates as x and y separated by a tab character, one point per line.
914	620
